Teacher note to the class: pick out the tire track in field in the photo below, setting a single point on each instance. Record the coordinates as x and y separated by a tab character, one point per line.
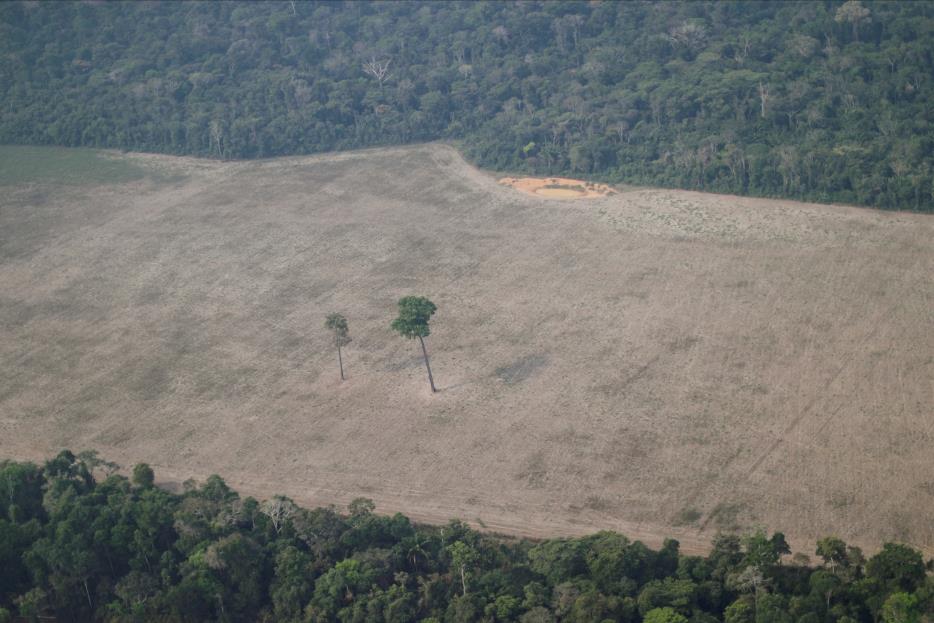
791	426
440	510
877	322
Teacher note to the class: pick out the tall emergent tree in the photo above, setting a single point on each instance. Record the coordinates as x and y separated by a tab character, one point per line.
337	324
414	313
463	557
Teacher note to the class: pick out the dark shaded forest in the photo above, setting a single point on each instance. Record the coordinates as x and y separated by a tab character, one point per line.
823	101
75	547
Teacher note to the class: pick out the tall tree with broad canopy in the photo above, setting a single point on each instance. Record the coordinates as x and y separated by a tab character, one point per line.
337	325
414	313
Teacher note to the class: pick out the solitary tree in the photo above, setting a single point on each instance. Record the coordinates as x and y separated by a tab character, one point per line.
414	313
337	324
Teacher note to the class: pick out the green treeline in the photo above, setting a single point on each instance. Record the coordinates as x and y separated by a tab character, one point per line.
77	548
825	101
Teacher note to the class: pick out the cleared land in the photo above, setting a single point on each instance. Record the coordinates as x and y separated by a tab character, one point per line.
656	362
558	187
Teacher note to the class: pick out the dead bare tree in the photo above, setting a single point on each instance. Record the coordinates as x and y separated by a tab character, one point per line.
501	33
736	161
575	22
217	136
802	44
377	69
749	579
854	13
690	35
740	54
763	96
279	510
622	131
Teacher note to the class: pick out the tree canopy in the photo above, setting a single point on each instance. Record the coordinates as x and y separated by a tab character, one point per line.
414	314
825	101
337	325
74	547
412	322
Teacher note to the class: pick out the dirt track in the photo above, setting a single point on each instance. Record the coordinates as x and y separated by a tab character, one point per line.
630	362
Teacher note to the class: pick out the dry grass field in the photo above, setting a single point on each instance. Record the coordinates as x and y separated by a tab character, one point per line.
656	362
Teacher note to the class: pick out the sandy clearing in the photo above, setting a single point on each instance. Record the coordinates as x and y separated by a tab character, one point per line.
558	187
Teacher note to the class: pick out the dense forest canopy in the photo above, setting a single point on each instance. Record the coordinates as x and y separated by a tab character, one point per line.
825	101
79	548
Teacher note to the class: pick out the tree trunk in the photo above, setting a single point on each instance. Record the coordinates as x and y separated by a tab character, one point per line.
220	602
463	580
340	360
431	379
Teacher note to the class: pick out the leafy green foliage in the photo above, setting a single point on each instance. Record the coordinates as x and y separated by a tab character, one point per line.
412	322
897	566
414	314
664	615
821	101
337	324
463	558
111	550
901	608
143	475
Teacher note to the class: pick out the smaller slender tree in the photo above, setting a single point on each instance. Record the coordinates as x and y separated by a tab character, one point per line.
337	325
463	557
414	313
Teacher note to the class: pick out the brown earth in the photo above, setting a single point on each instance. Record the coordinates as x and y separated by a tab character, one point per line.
558	187
658	362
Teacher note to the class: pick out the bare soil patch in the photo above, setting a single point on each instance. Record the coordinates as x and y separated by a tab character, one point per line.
558	187
657	362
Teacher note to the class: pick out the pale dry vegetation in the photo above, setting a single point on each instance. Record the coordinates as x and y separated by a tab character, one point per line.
656	362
